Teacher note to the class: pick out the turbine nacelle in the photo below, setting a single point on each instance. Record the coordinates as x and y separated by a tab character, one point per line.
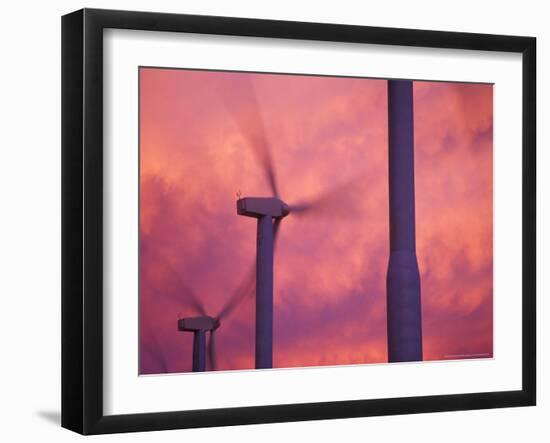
204	323
262	206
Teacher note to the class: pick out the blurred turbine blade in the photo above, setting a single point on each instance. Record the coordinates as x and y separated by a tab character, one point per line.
156	351
212	351
181	292
243	291
184	294
241	101
341	201
276	227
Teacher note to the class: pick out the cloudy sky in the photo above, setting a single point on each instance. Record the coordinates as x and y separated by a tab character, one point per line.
327	137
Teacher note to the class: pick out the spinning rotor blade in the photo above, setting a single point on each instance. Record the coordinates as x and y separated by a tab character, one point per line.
156	352
341	201
276	227
245	290
241	102
182	293
212	358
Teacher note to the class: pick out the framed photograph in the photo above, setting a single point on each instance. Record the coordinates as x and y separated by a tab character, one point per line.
268	221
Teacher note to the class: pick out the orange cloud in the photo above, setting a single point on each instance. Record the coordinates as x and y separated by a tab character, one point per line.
330	268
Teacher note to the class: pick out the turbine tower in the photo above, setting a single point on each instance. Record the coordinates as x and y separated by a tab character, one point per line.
199	322
199	326
265	210
403	277
204	323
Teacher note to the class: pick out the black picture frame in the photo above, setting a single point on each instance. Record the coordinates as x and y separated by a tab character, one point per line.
82	218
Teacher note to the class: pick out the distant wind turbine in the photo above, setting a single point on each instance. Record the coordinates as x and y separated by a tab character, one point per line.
200	323
205	323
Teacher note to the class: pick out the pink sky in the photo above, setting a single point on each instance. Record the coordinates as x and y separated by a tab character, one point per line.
329	268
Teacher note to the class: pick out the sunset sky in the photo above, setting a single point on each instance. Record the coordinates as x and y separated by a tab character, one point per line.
324	133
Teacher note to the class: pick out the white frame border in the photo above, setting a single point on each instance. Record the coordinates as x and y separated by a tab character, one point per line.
125	392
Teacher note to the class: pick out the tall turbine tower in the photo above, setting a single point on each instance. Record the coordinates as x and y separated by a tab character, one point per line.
403	278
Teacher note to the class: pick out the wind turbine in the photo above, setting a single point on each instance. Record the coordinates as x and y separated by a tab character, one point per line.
403	277
269	211
200	323
199	326
204	323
